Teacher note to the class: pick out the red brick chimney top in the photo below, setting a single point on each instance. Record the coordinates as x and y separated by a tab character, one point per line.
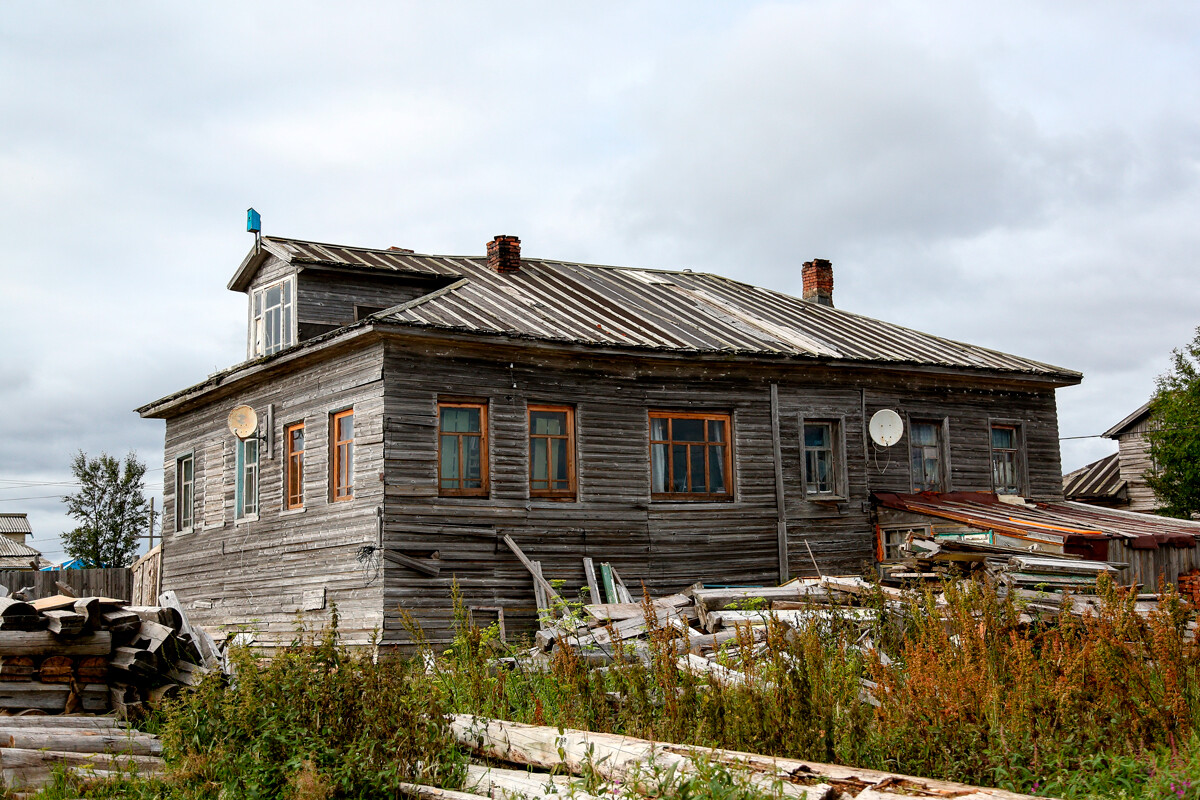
504	254
818	281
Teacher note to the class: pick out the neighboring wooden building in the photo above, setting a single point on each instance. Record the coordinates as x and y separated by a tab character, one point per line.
14	552
1118	480
680	425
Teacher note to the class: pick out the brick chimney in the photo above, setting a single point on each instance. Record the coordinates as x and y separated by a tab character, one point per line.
818	281
504	254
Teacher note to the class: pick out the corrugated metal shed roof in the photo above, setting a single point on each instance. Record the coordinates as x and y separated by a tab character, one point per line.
8	547
1100	481
14	523
986	512
684	311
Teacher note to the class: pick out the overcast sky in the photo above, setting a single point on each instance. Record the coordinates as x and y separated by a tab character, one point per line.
1024	176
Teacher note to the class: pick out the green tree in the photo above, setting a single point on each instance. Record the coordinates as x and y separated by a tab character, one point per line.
111	509
1174	434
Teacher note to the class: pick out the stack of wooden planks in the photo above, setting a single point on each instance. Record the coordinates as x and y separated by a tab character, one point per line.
63	654
32	747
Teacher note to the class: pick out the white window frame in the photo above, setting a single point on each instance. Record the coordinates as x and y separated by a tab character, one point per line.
892	537
257	345
180	486
246	507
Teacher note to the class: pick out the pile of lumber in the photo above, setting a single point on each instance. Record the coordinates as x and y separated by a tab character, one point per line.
552	759
63	654
696	622
32	747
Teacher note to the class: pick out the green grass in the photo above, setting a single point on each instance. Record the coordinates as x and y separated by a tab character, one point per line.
1105	706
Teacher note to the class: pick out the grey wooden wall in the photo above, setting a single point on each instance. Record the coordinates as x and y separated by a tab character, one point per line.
665	545
262	574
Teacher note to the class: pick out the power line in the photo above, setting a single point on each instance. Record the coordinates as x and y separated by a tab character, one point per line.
37	497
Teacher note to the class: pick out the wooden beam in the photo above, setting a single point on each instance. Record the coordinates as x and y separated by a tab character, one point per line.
616	757
420	565
551	594
780	500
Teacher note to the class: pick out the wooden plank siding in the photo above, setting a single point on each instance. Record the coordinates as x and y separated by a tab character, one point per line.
328	298
254	574
1135	462
664	545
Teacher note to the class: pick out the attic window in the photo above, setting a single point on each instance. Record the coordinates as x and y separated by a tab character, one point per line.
271	318
362	312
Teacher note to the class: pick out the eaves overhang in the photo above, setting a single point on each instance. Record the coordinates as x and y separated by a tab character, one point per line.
327	344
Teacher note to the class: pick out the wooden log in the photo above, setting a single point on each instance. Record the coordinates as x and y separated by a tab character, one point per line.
64	623
617	757
44	643
16	608
16	668
422	792
32	622
81	741
56	669
504	784
65	589
92	669
32	768
78	722
44	696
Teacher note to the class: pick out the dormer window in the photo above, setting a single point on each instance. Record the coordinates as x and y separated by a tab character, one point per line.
271	318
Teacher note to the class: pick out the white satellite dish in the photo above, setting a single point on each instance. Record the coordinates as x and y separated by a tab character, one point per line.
243	422
886	427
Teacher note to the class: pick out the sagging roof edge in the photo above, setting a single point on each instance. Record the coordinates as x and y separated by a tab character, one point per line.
375	324
1128	422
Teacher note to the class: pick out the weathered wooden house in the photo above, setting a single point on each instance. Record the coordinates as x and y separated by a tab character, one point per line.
15	553
683	426
1118	480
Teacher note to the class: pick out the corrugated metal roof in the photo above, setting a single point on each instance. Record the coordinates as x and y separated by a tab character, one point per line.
1037	520
1100	480
14	523
8	547
684	311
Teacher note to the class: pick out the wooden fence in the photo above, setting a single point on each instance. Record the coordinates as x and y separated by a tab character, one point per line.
115	582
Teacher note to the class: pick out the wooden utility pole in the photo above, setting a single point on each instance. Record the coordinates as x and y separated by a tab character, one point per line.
151	527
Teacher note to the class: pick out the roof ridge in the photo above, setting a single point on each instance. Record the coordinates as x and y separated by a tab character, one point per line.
479	257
